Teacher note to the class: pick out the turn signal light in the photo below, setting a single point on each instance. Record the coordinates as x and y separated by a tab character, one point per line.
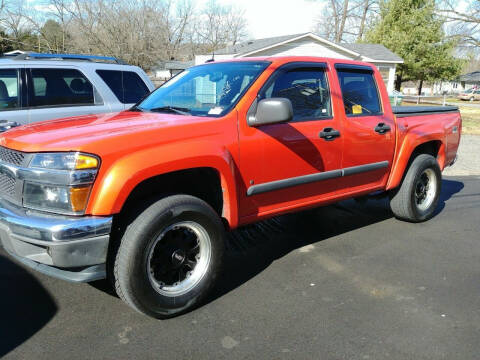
85	162
79	198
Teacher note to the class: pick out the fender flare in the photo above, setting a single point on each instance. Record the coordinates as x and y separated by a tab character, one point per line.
403	156
118	181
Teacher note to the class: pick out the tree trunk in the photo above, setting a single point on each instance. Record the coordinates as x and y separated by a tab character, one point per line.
398	82
420	85
366	5
336	20
344	19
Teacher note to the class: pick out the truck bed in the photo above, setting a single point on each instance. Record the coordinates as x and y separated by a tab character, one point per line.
404	111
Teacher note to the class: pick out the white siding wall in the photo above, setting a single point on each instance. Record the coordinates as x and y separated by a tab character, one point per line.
451	87
162	74
388	75
391	80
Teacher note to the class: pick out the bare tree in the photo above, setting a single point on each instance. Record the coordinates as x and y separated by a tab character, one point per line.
219	25
59	13
463	24
141	32
346	20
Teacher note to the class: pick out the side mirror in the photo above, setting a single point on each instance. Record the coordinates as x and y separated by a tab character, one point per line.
271	111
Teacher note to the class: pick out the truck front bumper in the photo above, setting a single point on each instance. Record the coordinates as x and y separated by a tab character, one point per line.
67	247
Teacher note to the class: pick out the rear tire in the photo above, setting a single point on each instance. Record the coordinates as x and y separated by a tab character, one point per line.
169	256
417	197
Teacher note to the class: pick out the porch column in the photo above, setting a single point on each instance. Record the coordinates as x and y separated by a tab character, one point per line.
391	79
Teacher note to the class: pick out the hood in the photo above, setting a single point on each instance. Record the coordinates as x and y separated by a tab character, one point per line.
87	133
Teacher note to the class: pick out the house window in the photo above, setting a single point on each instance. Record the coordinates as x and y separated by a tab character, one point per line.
385	73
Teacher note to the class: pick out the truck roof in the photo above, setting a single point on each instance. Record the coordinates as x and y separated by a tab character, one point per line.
286	59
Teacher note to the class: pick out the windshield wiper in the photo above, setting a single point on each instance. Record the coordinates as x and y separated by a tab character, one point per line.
172	109
135	108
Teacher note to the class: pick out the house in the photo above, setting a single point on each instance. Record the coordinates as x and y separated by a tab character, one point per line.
464	82
470	80
309	44
164	70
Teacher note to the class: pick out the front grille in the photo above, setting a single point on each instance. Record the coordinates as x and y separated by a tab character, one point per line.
11	156
7	186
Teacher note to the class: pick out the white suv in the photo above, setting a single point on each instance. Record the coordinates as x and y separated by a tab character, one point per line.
36	87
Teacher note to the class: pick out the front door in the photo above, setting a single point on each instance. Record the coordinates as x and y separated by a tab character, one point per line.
299	161
369	130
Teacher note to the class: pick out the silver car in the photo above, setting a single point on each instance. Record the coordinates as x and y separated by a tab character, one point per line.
36	87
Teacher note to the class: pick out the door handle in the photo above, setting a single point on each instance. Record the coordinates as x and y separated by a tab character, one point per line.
329	134
382	128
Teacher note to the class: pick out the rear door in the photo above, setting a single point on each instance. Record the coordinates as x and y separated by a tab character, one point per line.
61	92
285	165
368	129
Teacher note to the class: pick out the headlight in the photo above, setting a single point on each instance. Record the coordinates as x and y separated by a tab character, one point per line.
62	182
64	161
62	199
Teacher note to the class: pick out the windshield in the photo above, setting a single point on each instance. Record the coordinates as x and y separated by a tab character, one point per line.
205	90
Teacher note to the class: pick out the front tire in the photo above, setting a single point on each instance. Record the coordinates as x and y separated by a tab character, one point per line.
169	256
417	197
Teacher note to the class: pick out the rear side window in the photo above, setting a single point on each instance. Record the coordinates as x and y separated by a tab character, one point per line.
359	91
60	87
9	89
127	86
306	88
134	88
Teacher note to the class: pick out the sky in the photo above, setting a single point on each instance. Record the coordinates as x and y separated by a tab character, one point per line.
268	18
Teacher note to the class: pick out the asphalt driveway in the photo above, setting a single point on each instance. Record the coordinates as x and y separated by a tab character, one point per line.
341	282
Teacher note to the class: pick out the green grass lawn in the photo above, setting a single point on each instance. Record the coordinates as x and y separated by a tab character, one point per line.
470	120
470	116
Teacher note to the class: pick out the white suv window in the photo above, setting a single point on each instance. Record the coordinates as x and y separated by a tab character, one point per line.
127	86
60	87
9	89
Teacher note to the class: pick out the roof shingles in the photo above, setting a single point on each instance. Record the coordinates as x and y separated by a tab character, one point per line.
471	77
372	51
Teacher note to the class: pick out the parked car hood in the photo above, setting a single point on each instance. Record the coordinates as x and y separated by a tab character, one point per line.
95	133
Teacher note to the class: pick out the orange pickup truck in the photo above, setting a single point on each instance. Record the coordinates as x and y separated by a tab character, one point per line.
144	197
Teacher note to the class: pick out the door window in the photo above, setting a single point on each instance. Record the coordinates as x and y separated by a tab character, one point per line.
9	89
306	88
359	91
127	86
60	87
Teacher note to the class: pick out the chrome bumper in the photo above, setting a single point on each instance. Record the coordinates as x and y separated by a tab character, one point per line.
66	247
